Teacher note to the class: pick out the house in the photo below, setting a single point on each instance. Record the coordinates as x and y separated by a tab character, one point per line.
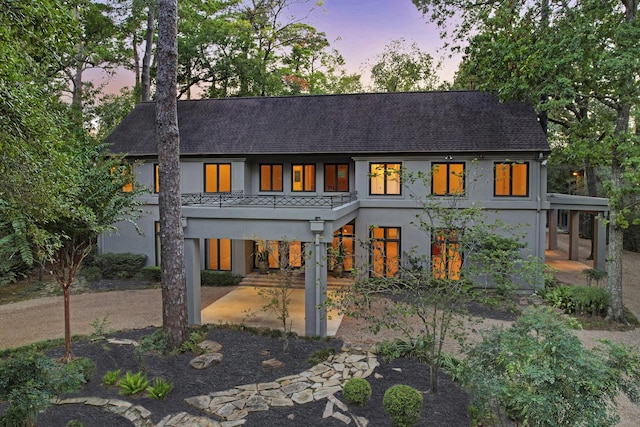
318	170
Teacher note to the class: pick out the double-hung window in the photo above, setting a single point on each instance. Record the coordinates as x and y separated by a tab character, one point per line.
271	177
384	178
303	177
511	179
386	251
217	178
447	179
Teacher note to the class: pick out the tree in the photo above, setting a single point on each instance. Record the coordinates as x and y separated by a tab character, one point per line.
435	289
174	282
402	68
579	61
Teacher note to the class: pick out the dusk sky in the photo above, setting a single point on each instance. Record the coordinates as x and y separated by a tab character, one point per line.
360	29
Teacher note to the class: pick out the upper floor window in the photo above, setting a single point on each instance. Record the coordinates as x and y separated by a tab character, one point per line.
386	251
303	178
271	177
336	177
156	178
217	178
511	179
447	178
446	258
384	178
127	176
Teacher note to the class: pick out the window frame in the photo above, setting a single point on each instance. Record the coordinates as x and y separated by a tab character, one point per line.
217	168
448	183
510	177
387	178
156	178
336	177
303	178
207	257
385	240
446	242
271	176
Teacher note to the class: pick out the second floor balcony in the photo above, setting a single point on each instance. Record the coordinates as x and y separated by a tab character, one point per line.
239	199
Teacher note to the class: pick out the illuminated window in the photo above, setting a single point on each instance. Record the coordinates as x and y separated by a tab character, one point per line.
345	236
446	259
156	178
511	179
447	178
386	251
384	178
303	178
127	175
336	177
270	177
218	254
217	178
278	254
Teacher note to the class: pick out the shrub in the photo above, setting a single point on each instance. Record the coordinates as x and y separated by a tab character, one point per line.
28	380
320	356
159	389
91	273
120	266
133	383
111	378
357	391
152	273
578	299
419	347
538	373
219	278
403	404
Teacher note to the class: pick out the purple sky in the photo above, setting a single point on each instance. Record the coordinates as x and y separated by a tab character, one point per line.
359	30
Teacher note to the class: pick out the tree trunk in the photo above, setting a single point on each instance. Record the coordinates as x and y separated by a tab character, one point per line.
66	358
174	287
146	60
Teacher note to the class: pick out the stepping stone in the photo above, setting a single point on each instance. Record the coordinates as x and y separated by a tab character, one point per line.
272	364
210	346
205	360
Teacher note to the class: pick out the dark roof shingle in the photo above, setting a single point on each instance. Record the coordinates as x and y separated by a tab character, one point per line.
414	122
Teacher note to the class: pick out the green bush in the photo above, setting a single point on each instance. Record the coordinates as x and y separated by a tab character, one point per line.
159	389
133	383
357	391
538	373
29	380
403	404
152	273
419	347
578	299
119	266
219	278
91	273
111	378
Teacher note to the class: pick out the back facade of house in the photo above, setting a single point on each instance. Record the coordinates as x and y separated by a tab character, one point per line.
323	172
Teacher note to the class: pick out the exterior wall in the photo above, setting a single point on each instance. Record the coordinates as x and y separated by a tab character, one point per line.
243	224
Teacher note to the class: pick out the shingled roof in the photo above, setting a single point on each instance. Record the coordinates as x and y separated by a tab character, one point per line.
415	122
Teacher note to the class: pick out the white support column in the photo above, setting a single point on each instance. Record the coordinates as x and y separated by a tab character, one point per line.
315	289
192	267
600	241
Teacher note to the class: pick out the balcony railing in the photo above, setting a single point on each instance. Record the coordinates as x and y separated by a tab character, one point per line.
239	199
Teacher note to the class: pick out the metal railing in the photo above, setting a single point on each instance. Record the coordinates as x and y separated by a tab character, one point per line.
239	199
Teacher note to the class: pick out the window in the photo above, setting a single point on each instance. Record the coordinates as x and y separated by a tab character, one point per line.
279	249
511	179
385	178
218	254
156	178
446	259
270	177
217	178
344	238
127	176
447	178
386	251
304	178
336	177
156	226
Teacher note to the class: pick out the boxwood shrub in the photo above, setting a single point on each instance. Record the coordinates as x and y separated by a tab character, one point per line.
219	278
119	266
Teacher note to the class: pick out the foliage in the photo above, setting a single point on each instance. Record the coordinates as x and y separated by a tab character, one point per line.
579	299
111	378
594	274
419	347
29	380
151	273
99	328
159	389
402	68
133	384
191	345
119	265
219	278
357	391
320	356
403	403
538	373
155	342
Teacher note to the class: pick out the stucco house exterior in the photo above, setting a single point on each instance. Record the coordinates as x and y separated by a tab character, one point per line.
319	170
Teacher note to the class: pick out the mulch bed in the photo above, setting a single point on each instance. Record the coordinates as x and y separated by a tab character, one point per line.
243	353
